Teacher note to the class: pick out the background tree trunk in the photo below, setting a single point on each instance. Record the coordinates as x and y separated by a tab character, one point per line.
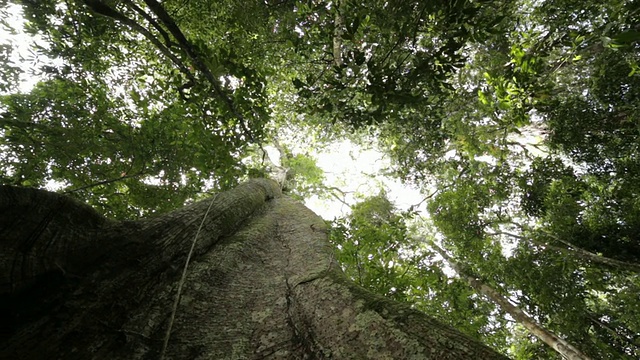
567	350
262	283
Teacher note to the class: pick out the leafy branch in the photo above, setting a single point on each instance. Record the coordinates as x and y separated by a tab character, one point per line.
181	41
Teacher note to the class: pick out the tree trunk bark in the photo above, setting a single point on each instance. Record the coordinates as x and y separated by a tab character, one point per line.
262	283
338	23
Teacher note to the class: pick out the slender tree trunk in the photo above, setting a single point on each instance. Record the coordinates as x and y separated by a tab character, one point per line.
338	23
565	349
573	250
261	283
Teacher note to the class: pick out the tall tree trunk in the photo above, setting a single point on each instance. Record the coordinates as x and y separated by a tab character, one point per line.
338	31
262	283
560	345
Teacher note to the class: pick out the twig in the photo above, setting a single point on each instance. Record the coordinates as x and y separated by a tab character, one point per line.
102	183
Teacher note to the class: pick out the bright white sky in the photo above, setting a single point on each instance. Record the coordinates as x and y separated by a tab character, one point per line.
356	171
20	43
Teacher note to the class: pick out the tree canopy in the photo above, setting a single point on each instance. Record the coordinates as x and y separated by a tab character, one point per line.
519	121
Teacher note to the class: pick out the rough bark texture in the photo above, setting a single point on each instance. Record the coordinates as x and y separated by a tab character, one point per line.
262	285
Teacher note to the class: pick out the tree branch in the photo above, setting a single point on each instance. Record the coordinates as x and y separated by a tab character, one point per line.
104	10
151	21
186	46
574	250
109	181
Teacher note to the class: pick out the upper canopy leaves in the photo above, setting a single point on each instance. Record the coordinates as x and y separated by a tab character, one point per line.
522	116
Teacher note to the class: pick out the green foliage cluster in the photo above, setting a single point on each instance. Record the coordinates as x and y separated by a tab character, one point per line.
374	247
377	250
533	152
